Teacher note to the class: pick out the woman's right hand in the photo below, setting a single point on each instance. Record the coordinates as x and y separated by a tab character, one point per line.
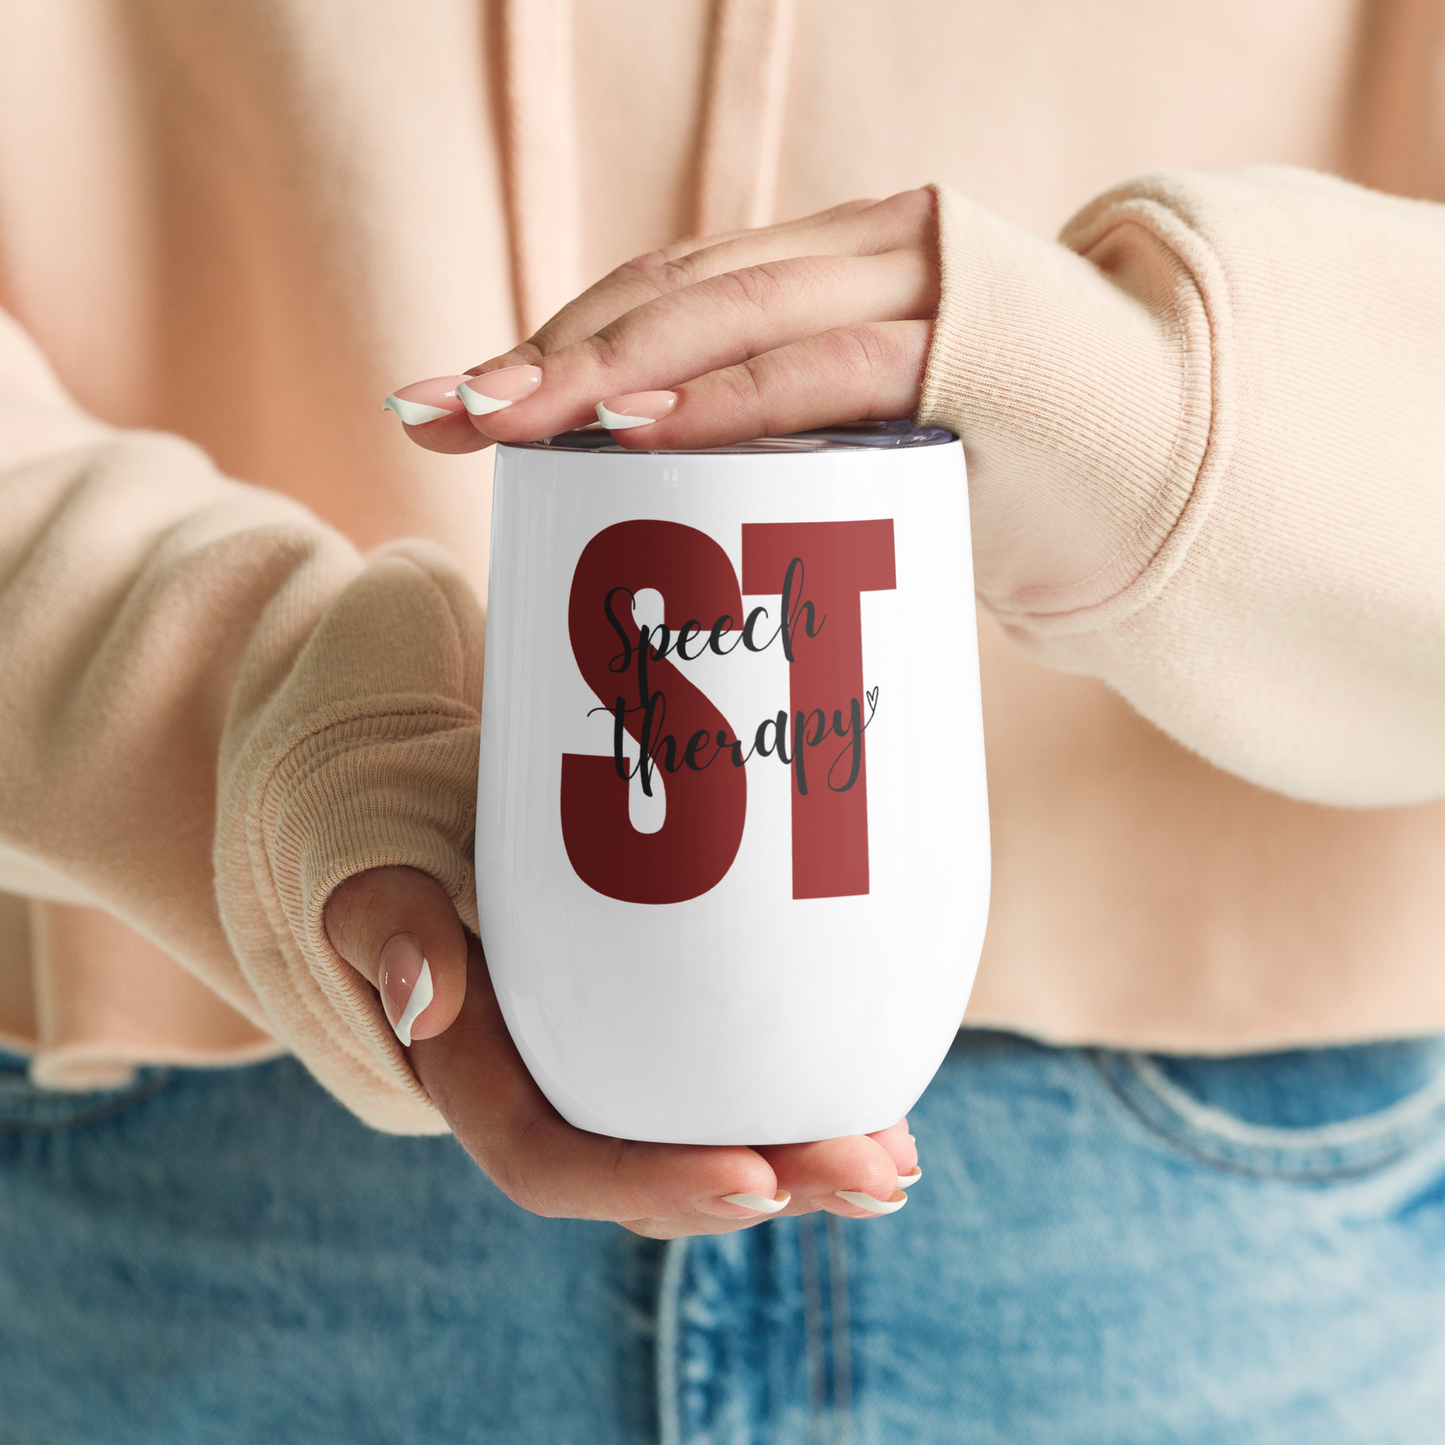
822	320
388	921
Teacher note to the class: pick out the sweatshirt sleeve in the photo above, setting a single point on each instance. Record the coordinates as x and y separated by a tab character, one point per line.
213	710
1206	447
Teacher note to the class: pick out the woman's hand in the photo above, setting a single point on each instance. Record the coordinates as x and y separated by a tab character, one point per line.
387	922
716	341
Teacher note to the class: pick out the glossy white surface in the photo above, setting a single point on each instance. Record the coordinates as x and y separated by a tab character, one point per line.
742	1015
421	997
414	413
618	421
479	403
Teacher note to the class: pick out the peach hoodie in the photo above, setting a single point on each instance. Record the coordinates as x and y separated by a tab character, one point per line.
1206	436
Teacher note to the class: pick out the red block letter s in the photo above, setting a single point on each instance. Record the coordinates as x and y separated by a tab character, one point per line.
705	807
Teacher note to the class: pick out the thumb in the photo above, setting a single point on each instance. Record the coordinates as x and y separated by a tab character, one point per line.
398	929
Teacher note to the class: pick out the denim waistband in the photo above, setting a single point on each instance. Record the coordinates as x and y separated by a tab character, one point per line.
25	1108
1305	1114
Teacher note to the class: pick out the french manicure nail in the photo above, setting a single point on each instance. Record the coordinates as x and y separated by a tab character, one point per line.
756	1201
904	1180
872	1205
637	408
406	985
497	390
425	401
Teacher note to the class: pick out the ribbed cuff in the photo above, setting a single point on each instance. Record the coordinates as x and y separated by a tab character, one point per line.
365	756
1079	380
392	789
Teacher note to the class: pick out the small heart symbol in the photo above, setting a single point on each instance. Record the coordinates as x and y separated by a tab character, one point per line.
873	697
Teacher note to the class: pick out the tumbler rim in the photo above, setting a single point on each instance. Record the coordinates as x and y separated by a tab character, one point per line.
847	437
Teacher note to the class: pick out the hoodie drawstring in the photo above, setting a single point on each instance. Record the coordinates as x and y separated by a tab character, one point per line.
544	191
742	133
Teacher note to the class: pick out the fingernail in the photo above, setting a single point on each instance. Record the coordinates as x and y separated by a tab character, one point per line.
406	986
904	1180
756	1201
637	408
425	401
497	390
872	1205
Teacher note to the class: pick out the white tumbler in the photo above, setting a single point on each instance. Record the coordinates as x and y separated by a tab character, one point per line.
732	827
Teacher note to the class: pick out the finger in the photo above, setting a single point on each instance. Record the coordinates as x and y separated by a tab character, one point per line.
872	372
433	416
720	322
453	435
477	1079
679	1226
689	245
902	1148
856	1176
398	928
686	245
856	229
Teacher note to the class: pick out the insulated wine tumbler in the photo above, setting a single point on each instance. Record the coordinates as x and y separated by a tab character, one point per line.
732	829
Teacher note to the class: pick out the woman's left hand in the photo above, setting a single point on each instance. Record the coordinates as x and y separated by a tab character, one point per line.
388	922
716	341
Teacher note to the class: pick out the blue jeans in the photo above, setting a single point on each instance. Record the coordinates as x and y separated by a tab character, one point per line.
1104	1247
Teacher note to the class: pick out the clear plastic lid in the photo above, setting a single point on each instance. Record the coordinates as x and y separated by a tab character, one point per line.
850	437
